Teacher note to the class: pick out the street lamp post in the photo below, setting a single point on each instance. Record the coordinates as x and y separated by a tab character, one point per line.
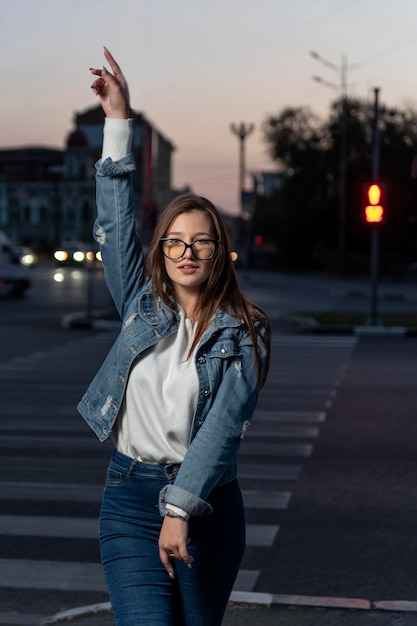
242	131
342	71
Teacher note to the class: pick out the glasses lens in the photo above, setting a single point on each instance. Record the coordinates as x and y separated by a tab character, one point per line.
173	248
204	249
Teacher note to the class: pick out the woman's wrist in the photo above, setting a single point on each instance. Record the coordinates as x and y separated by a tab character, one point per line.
169	513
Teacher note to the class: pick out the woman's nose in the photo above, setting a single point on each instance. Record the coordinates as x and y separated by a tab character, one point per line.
188	253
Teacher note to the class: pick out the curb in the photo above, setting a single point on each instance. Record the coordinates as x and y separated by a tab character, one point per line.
96	320
308	325
262	600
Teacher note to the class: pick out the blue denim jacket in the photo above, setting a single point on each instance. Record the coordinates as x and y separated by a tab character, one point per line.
224	358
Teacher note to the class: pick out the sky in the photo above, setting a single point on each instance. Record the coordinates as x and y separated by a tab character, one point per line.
195	67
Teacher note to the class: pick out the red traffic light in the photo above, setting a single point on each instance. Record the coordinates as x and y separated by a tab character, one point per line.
374	202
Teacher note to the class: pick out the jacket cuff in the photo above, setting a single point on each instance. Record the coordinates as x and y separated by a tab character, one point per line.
111	168
185	500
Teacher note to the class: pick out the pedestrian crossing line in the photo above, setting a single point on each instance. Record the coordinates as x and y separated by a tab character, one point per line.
246	580
47	441
269	471
93	493
50	492
88	528
266	499
261	534
294	403
97	467
56	575
334	341
64	576
251	448
315	417
286	431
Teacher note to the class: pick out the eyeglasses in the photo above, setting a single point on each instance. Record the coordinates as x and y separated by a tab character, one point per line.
202	249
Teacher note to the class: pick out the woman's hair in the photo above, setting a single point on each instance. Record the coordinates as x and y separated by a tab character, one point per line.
221	289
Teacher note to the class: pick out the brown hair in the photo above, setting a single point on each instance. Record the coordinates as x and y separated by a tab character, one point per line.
221	289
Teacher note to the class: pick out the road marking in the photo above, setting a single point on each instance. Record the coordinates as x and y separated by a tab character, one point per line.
269	471
266	499
57	575
251	448
88	528
305	432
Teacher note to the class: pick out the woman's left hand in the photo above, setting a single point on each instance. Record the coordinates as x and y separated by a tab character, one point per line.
112	89
173	541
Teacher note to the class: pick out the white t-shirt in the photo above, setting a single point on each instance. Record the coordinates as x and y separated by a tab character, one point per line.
154	424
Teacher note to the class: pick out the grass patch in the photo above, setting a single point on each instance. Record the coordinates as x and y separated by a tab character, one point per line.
342	318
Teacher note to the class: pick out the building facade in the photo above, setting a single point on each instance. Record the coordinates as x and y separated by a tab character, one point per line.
47	196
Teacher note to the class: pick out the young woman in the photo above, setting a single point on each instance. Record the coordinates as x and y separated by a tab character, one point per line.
176	394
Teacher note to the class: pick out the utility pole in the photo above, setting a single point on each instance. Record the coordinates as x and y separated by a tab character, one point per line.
342	70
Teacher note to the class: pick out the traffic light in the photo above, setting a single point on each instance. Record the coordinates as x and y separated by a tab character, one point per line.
374	202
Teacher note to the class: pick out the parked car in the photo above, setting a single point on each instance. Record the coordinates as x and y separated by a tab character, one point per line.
26	255
76	253
15	278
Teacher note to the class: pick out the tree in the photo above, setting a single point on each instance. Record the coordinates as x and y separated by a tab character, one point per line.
303	215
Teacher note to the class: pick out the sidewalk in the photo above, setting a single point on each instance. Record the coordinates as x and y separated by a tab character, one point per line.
265	610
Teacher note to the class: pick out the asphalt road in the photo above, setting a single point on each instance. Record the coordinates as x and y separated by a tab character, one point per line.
327	468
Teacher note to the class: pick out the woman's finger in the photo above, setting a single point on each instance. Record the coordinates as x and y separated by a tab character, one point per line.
114	67
166	560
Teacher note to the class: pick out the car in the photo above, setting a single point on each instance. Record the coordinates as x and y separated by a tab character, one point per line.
26	255
77	253
14	277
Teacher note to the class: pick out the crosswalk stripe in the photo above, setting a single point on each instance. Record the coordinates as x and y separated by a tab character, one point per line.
269	471
91	493
286	431
88	528
57	575
251	448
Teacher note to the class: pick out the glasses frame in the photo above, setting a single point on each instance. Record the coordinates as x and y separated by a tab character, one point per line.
217	242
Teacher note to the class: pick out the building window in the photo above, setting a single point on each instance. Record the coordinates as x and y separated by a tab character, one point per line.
86	214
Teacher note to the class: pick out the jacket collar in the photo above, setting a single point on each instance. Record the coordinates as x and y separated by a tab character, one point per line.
151	309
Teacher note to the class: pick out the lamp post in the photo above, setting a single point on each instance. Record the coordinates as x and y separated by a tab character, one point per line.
242	131
342	70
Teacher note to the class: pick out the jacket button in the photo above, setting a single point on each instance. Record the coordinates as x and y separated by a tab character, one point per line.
200	422
206	393
223	350
201	360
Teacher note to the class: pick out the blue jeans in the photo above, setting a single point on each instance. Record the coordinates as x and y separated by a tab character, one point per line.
141	592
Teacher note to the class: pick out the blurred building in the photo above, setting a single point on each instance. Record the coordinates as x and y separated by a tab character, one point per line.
48	195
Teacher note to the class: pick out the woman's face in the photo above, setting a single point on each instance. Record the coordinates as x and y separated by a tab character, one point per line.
188	273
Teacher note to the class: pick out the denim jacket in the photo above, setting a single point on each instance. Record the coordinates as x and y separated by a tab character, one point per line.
224	357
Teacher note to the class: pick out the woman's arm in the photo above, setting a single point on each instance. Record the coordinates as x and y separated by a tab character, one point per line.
115	228
216	444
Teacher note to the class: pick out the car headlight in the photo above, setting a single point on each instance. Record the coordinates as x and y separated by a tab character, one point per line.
78	256
61	255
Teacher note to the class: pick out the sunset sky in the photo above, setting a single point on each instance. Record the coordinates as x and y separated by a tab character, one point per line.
195	67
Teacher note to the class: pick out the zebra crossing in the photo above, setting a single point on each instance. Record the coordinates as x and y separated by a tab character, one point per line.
305	374
52	468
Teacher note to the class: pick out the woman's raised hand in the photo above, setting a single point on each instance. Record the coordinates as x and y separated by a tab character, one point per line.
112	89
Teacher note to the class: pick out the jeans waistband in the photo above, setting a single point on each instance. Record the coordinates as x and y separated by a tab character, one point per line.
132	465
